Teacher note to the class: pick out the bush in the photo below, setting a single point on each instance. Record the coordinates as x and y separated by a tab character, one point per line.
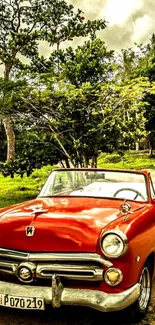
42	173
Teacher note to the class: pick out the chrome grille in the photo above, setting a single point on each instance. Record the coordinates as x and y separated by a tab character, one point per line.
70	271
7	267
72	266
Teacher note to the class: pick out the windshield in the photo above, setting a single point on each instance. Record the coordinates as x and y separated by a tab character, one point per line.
96	183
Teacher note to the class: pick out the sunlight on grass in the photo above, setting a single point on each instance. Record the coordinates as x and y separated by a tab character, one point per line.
18	189
130	160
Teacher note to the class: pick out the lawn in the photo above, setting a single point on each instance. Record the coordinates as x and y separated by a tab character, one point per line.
18	189
129	160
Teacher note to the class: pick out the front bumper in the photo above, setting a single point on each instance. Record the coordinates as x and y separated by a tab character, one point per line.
57	295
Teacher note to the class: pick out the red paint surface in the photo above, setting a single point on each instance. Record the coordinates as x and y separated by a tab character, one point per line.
68	224
72	224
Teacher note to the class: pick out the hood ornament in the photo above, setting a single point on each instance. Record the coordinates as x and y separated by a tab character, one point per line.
30	231
36	209
125	208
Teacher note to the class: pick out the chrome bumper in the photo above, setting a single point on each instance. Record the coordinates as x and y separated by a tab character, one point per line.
57	295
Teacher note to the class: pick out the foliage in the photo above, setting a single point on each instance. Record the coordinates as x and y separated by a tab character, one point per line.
122	113
77	102
141	63
72	123
91	62
23	24
80	119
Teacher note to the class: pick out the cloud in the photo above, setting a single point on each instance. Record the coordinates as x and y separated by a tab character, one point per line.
117	12
129	21
90	7
142	27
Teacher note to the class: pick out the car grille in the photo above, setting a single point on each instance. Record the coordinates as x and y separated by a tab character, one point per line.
71	266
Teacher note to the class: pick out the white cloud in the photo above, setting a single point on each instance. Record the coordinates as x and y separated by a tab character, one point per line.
118	11
130	21
142	27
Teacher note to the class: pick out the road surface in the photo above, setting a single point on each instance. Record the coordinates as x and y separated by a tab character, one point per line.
71	316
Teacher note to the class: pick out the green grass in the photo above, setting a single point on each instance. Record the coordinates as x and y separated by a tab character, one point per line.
130	160
18	189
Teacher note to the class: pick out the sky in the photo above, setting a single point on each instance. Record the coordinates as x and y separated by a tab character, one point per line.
129	21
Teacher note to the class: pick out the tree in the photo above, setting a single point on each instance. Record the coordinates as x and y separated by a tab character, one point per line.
23	25
123	112
147	68
91	62
67	105
85	117
140	63
93	117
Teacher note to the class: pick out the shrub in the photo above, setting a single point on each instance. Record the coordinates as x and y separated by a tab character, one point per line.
42	173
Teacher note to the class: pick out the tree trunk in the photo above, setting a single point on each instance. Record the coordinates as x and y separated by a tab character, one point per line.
67	162
150	151
150	145
10	137
94	162
86	162
137	146
7	122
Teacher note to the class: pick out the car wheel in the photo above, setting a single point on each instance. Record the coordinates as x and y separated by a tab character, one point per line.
139	309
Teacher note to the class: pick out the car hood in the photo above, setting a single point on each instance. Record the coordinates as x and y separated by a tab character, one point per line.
60	224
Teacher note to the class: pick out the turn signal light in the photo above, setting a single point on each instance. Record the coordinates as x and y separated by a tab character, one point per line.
113	276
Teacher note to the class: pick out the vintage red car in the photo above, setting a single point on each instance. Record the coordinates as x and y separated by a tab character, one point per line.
88	239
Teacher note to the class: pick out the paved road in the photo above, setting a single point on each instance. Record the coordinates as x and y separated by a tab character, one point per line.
70	316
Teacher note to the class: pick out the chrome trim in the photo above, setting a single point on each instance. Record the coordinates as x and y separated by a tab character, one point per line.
145	290
73	266
57	289
7	253
85	272
31	267
57	295
125	208
70	271
121	235
42	257
8	268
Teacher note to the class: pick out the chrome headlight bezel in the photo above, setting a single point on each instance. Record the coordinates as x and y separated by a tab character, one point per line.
120	236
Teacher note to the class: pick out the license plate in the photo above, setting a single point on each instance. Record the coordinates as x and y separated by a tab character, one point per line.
21	302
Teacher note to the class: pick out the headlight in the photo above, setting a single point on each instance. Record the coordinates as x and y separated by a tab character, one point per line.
114	243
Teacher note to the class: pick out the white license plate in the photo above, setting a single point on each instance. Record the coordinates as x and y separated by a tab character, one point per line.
21	302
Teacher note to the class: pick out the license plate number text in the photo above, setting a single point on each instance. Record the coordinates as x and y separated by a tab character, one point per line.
7	300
